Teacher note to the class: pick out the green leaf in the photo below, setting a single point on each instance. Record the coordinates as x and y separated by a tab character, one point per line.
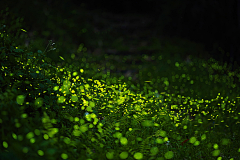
39	51
18	50
34	75
61	57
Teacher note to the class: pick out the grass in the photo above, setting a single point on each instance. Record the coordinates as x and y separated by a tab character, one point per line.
87	109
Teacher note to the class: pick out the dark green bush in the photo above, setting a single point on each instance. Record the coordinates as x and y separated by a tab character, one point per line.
26	100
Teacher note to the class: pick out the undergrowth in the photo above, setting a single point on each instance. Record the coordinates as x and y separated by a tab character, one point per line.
77	112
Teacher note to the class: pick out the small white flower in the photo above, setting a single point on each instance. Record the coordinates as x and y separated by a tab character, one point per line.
86	113
167	142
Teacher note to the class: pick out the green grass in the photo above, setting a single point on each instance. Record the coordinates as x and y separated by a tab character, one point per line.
87	109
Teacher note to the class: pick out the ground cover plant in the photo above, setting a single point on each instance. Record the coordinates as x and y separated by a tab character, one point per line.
80	111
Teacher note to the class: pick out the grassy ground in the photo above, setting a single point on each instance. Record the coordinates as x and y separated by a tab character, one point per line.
141	57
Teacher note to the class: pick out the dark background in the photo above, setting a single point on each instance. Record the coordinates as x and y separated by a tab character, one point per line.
214	23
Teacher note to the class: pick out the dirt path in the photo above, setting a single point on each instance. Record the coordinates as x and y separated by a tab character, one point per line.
128	40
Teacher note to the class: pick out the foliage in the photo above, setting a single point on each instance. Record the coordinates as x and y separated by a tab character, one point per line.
77	112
